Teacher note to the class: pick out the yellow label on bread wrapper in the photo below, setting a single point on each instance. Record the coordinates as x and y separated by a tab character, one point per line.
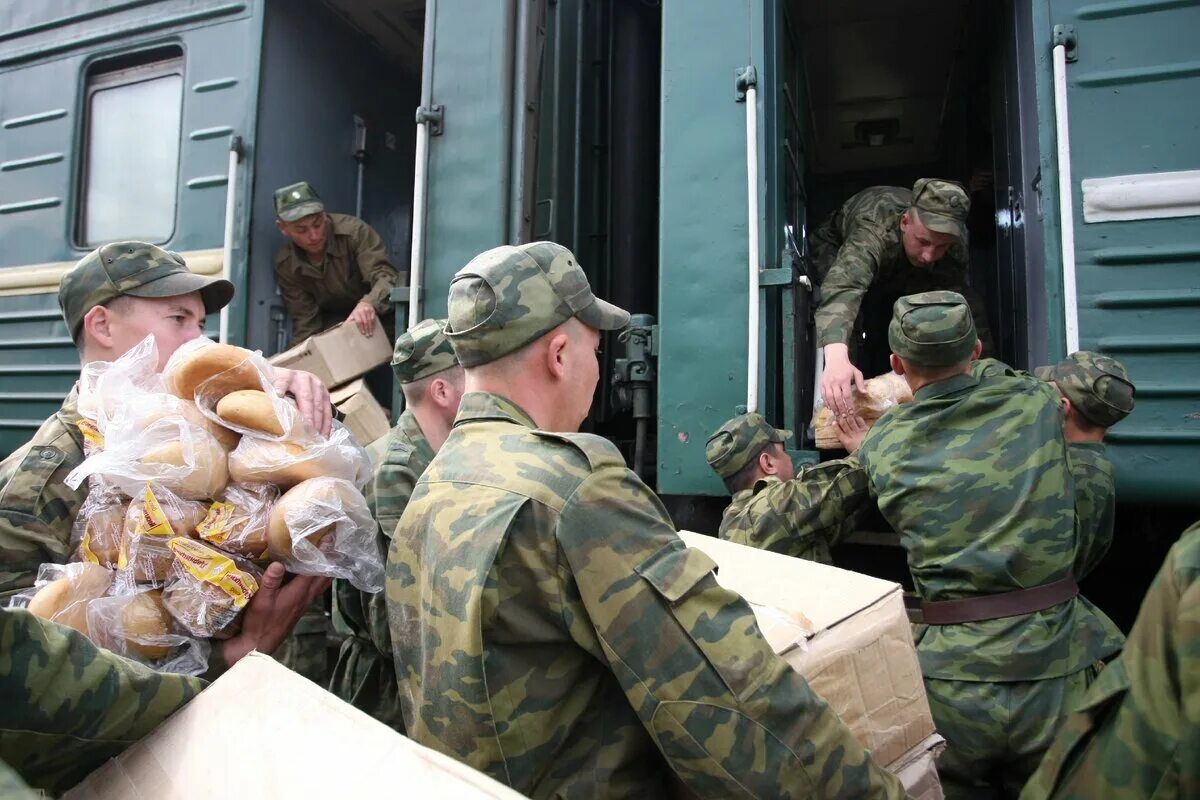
210	566
91	434
152	521
217	524
85	548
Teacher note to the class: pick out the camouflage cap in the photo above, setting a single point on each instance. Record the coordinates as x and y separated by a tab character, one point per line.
508	296
932	329
941	206
1097	386
738	441
422	350
297	200
136	269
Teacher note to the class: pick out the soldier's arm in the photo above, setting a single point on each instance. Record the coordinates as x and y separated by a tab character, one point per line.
67	706
375	267
819	503
300	303
850	276
730	716
37	510
1095	503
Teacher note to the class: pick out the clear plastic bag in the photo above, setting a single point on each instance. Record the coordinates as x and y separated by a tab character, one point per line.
137	626
207	589
237	522
883	392
324	527
109	389
200	360
64	592
289	462
153	519
99	527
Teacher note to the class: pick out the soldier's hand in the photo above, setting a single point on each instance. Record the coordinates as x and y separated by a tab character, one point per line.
311	396
363	316
851	430
839	380
272	612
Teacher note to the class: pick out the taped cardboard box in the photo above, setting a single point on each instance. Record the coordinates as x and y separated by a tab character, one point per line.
849	636
339	354
363	415
261	730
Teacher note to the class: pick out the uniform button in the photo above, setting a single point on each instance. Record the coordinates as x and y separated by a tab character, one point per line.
47	454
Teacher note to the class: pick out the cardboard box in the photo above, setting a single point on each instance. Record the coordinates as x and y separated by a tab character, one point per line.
339	354
849	636
261	730
365	418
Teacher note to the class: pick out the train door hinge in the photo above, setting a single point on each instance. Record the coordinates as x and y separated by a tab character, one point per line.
1065	35
431	116
744	78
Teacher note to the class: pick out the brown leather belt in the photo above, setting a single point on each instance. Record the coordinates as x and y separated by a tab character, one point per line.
997	606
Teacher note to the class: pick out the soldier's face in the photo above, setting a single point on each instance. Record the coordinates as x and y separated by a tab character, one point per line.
307	233
923	247
172	320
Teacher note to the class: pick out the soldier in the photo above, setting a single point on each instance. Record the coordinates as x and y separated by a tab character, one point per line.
549	627
432	382
893	242
773	508
333	269
1096	391
974	475
68	706
1135	734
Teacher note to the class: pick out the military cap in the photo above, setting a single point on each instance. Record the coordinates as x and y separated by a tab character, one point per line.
136	269
297	200
508	296
738	441
1097	386
422	350
932	329
941	206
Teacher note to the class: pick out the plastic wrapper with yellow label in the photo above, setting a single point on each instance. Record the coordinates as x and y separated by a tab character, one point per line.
289	462
207	589
237	522
883	392
153	518
99	528
138	626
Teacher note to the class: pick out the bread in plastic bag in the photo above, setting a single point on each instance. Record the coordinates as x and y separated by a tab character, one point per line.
64	592
237	521
291	461
137	626
200	360
99	528
323	526
883	392
207	589
154	518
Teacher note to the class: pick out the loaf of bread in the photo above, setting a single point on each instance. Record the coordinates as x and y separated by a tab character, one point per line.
151	521
207	589
883	392
98	529
289	462
250	408
65	599
194	367
313	509
144	623
200	465
237	523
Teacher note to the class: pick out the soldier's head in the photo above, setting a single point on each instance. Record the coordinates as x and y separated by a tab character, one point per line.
119	293
430	377
300	216
935	222
746	449
932	336
525	324
1096	390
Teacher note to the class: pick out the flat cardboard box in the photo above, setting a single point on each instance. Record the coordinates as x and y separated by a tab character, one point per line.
846	633
263	731
339	354
365	418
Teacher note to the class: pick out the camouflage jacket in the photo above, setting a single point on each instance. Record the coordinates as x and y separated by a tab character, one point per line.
551	630
802	517
1137	733
974	475
356	267
67	706
37	508
364	675
859	247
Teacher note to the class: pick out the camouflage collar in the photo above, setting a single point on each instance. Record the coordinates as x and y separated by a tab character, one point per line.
480	406
69	415
764	482
948	386
411	430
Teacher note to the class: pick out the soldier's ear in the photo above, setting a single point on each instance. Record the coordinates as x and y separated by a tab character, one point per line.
281	226
97	326
897	364
1067	407
977	351
556	353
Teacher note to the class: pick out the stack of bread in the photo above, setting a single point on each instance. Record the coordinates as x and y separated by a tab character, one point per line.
197	478
883	392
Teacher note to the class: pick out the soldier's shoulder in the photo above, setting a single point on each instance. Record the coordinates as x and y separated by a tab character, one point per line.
596	451
348	225
53	442
1185	555
283	255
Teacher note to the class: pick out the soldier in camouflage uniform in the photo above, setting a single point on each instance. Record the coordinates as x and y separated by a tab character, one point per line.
333	269
773	508
887	241
548	625
974	475
432	382
1137	733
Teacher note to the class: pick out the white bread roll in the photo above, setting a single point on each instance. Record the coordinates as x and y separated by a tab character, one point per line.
65	600
144	620
288	463
250	408
148	554
103	529
318	504
207	470
205	362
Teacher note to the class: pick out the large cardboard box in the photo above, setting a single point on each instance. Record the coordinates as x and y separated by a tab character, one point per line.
363	415
339	354
849	636
263	731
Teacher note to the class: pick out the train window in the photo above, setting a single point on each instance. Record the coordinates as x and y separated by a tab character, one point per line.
130	172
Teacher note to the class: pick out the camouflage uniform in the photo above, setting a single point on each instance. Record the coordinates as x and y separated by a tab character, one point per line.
1137	732
802	517
364	674
974	475
550	628
67	706
859	248
355	268
1098	386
